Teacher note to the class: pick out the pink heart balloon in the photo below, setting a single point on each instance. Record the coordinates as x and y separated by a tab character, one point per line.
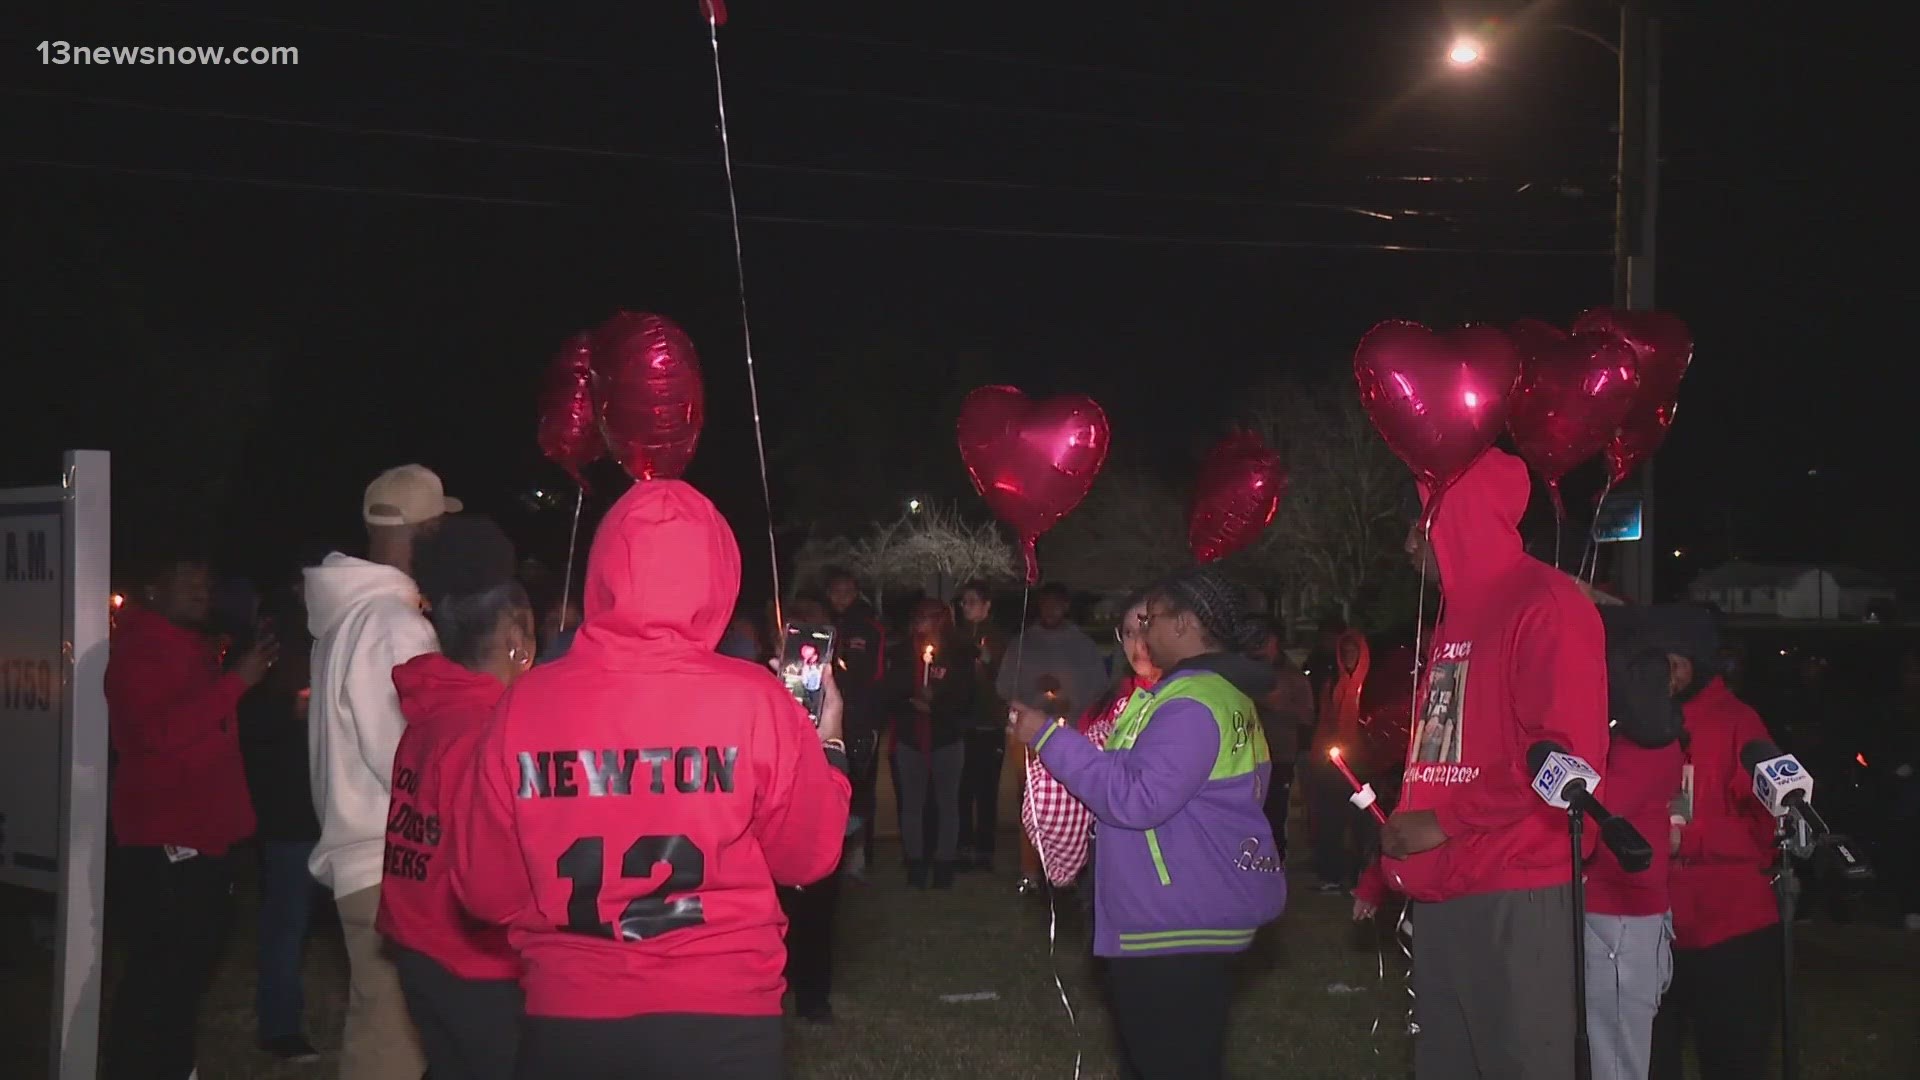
1235	496
1033	461
569	431
1439	398
1664	348
1574	391
653	403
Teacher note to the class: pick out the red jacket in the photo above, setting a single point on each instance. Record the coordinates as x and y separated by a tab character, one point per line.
1720	883
635	802
1518	657
447	707
172	717
1640	784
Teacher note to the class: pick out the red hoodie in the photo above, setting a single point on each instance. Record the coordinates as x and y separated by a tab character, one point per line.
1720	879
1519	656
447	708
172	717
635	802
1641	784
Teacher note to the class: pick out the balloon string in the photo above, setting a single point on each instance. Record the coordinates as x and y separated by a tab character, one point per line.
1403	934
746	326
1590	557
573	542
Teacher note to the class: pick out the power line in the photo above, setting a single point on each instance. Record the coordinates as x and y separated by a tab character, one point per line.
798	220
708	160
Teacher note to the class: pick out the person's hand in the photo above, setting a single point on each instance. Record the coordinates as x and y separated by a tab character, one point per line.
1364	909
1673	840
1410	832
253	666
921	703
833	709
1026	722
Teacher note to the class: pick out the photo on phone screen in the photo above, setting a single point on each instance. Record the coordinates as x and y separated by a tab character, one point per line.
803	666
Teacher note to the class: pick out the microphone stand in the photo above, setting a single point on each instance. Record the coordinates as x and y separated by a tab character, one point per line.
1582	1049
1786	889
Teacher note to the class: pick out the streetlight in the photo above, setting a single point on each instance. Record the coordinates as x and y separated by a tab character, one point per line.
913	506
1636	183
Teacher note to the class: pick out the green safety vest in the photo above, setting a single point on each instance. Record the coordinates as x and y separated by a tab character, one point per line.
1243	744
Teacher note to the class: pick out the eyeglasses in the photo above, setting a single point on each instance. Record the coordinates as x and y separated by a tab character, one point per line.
1129	630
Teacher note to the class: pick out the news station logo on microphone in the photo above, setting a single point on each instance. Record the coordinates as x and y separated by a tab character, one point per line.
1558	774
1777	778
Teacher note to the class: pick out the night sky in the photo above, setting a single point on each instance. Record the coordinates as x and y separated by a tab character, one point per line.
260	285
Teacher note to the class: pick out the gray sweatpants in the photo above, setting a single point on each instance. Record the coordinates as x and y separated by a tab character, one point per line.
1629	964
919	775
1493	986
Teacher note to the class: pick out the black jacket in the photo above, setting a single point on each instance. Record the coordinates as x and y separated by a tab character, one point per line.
273	737
950	683
860	645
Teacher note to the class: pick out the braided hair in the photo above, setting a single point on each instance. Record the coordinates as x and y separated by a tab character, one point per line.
1217	604
465	569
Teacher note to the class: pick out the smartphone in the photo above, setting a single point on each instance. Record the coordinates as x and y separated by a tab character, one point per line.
803	666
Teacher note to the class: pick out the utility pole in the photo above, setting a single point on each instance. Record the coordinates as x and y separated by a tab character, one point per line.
1636	205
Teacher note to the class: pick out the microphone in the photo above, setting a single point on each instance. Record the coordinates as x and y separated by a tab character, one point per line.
1566	782
1782	784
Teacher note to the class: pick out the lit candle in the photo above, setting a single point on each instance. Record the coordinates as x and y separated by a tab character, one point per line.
926	666
1359	789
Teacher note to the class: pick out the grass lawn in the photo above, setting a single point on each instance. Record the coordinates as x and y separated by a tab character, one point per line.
1859	985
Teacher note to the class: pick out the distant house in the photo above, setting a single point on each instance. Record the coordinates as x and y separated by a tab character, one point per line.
1795	591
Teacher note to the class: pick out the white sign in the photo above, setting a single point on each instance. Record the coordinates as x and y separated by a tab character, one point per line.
54	567
32	684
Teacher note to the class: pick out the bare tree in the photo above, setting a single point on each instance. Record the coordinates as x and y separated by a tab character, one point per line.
1337	542
936	549
1130	530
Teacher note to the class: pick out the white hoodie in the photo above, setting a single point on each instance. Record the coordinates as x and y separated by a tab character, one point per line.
365	619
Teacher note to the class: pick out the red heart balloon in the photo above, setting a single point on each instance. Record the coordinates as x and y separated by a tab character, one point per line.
1439	398
1574	392
1235	496
1033	461
1664	347
646	378
569	432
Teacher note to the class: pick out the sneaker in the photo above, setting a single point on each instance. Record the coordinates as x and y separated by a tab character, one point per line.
1329	888
294	1048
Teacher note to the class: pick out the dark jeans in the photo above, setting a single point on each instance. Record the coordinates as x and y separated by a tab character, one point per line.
980	791
662	1046
1279	794
286	911
1170	1013
469	1029
863	770
1336	826
171	919
810	912
1493	986
1726	998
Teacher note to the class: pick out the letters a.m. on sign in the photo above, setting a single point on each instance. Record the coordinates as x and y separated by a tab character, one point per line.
26	556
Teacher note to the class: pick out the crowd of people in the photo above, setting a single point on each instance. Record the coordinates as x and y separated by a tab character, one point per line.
605	841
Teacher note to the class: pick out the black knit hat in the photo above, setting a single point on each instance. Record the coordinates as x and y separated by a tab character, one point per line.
1217	603
463	555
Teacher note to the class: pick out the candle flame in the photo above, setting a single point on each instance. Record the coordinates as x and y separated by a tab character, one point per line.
926	654
1333	752
1862	759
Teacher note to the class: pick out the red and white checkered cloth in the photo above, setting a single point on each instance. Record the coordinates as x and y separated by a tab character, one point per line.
1059	825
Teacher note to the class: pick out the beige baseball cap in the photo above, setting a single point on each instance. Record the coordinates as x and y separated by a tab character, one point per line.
406	495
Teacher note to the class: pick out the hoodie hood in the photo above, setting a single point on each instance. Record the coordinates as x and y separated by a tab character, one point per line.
342	583
1254	678
432	687
1476	531
663	574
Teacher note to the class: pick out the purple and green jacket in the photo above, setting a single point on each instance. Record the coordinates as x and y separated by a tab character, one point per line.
1184	860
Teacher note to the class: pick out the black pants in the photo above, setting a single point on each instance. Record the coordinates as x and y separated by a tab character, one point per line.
1171	1014
980	791
810	914
1726	998
469	1029
863	770
171	919
1279	794
1336	826
664	1046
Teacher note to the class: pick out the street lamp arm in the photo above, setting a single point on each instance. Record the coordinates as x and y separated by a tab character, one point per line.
1597	39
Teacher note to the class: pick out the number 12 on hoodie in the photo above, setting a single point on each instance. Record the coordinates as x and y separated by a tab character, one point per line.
584	865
